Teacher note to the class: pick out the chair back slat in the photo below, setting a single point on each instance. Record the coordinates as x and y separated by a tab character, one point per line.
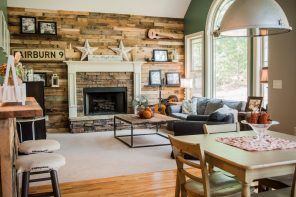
180	148
189	163
221	128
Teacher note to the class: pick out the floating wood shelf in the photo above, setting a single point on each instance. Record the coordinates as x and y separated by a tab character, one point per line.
163	62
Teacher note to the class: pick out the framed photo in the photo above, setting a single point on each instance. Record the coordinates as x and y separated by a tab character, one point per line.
160	55
172	78
28	25
47	28
254	103
155	77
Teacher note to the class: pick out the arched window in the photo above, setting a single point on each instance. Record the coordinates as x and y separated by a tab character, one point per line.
227	59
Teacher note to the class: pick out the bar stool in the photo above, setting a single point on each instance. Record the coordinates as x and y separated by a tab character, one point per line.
40	163
35	146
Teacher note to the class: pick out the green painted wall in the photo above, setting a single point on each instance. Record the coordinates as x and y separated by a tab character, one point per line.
196	16
3	7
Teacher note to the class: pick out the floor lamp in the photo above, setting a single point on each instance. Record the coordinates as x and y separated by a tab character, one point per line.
187	85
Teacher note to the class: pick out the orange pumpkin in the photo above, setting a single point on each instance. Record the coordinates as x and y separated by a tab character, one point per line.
147	114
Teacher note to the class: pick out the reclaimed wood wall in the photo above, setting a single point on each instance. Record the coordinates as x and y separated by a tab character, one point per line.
102	31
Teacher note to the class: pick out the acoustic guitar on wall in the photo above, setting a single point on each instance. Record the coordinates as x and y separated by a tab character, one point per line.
157	34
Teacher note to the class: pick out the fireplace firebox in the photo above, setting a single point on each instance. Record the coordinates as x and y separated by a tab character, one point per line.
105	100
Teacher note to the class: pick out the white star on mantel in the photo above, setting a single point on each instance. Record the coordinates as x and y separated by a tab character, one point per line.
86	50
122	51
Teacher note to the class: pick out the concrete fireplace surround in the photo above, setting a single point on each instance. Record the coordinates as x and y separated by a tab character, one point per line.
88	66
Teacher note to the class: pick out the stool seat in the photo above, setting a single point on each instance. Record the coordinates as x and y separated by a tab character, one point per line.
41	161
37	146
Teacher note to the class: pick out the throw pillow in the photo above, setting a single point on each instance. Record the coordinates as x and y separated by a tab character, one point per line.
186	107
213	105
234	104
193	106
227	110
217	116
201	104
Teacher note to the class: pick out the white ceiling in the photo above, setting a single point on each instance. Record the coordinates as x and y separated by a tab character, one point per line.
161	8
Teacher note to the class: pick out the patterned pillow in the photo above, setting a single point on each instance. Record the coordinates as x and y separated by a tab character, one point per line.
227	110
186	107
200	104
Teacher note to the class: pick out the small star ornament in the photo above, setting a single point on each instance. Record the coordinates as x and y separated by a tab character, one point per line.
122	51
86	50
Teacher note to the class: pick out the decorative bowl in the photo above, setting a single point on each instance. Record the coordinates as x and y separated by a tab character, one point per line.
260	129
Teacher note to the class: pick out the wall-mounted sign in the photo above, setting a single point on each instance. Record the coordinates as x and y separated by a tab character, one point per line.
40	55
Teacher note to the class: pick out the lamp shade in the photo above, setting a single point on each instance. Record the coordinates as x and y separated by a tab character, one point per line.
254	18
186	83
264	75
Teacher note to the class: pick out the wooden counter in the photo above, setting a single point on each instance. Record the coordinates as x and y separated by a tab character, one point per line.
8	114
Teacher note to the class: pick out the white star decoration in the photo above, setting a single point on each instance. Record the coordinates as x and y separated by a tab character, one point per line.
86	50
122	51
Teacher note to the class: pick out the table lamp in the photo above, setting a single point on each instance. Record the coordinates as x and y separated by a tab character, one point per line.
264	75
187	84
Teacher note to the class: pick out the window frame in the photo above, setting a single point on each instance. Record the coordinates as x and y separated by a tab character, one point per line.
188	58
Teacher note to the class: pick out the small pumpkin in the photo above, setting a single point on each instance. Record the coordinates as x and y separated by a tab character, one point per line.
147	114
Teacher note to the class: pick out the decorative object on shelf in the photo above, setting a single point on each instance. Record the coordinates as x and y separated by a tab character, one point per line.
160	55
254	103
155	78
122	51
47	28
44	76
249	18
86	50
104	58
187	84
16	90
55	81
157	34
40	55
70	54
172	78
28	25
29	74
175	56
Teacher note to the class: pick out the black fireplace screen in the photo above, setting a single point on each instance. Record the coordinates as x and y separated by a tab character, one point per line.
105	100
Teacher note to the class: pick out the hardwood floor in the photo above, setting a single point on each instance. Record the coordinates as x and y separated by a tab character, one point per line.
144	185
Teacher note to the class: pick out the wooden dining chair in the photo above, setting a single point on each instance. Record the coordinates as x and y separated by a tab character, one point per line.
221	128
189	184
286	192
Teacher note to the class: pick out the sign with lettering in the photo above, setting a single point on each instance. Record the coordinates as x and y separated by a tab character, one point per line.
40	55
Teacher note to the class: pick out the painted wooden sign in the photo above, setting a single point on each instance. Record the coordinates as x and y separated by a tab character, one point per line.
40	55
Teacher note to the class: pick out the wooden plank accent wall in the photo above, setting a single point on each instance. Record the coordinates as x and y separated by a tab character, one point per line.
102	31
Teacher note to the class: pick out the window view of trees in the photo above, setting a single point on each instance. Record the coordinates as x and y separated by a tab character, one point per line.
231	68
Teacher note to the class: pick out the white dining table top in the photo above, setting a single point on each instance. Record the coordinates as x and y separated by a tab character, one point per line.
242	158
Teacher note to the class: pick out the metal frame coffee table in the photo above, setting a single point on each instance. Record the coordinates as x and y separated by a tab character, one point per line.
133	120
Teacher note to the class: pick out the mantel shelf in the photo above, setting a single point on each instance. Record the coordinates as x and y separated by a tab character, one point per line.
103	62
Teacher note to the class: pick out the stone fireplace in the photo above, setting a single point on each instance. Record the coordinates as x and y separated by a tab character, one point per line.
105	100
98	90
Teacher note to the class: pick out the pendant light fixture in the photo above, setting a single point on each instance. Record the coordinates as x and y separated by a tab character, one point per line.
250	18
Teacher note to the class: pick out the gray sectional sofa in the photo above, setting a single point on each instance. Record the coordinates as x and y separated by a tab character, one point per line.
199	111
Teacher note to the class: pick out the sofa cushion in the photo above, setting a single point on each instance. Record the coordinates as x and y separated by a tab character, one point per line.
234	104
201	104
218	116
225	110
213	105
197	117
180	116
186	107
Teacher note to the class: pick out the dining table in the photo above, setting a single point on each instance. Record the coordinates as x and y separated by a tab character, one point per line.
246	166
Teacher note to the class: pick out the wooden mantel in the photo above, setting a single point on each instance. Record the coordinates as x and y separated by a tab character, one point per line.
93	66
8	114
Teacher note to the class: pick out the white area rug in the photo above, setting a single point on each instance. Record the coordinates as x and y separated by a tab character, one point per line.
99	155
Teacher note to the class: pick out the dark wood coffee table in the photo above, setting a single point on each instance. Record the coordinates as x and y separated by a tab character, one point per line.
133	120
